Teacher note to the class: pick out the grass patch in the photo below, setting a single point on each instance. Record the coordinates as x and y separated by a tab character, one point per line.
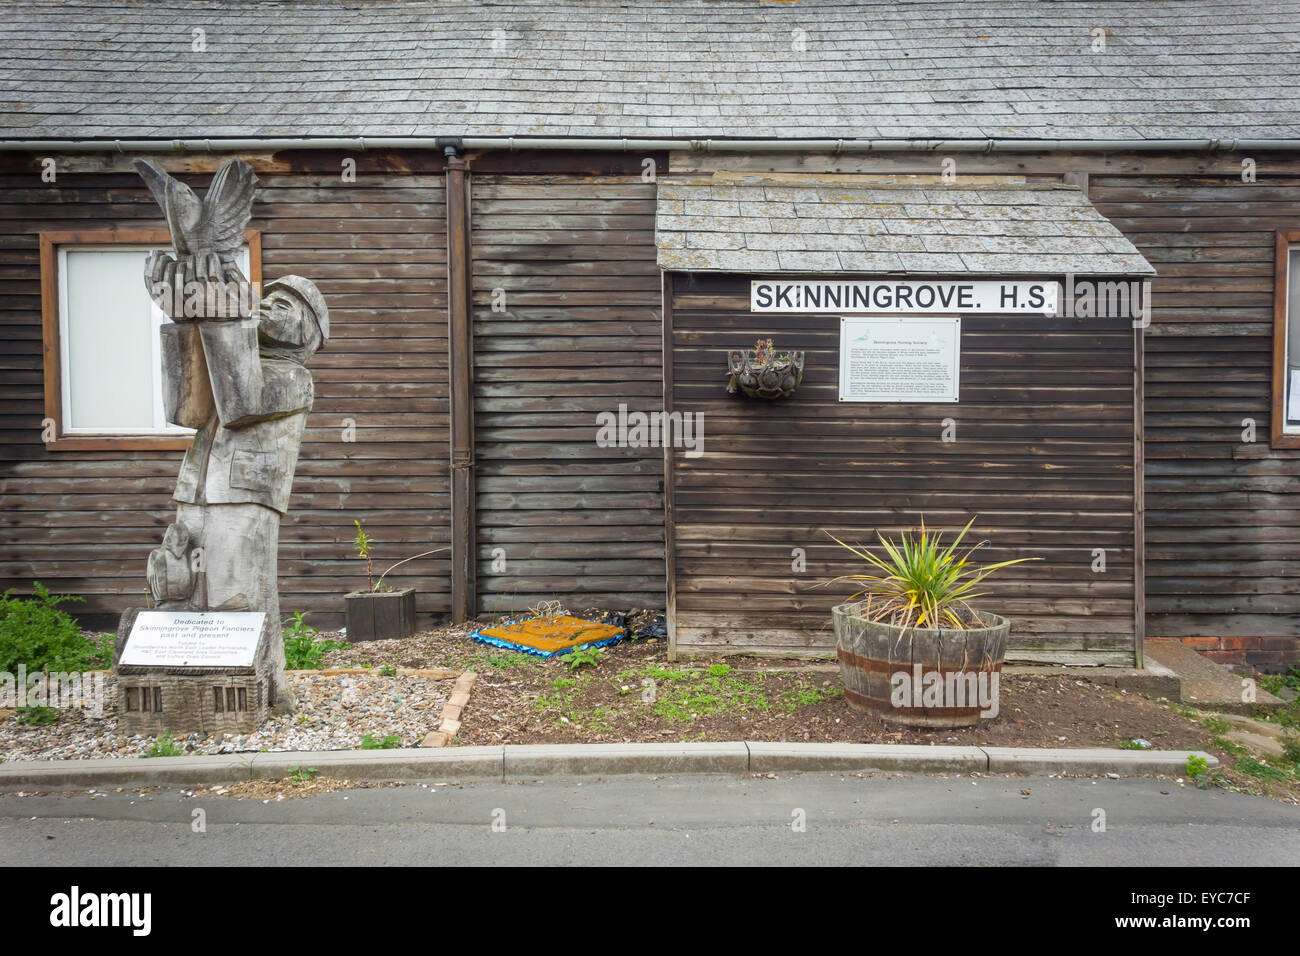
1236	749
1254	768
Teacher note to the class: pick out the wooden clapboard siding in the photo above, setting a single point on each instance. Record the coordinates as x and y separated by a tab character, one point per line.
1221	513
84	522
577	333
1044	456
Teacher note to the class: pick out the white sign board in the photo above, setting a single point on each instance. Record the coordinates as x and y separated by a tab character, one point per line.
193	639
905	296
899	359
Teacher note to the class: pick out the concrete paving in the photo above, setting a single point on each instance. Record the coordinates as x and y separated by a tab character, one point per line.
814	819
1206	683
520	762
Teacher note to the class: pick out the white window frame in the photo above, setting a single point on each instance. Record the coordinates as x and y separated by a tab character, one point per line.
1286	278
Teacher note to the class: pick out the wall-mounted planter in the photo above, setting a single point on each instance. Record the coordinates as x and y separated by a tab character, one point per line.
768	375
380	615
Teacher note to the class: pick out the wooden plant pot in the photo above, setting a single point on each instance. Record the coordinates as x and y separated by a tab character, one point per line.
380	615
918	676
770	379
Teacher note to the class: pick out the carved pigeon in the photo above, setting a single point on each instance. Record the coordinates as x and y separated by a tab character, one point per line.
214	225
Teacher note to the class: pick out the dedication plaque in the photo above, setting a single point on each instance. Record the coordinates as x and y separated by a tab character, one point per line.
193	639
899	359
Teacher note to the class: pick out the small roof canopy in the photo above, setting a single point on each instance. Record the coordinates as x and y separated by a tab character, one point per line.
774	227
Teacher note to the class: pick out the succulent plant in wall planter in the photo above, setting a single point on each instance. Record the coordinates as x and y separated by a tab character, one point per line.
763	372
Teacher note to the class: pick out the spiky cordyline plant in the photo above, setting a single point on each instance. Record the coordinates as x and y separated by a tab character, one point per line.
921	583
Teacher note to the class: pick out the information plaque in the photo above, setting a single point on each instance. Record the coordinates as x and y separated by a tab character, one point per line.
193	639
899	359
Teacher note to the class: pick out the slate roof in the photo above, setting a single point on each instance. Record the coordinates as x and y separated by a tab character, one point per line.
781	227
1015	69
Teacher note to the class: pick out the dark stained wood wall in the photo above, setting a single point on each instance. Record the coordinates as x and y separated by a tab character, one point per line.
1044	455
1222	514
578	333
84	522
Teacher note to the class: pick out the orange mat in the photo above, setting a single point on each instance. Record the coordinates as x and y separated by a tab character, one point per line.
550	635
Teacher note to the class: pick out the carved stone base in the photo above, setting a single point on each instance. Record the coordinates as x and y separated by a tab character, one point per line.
151	700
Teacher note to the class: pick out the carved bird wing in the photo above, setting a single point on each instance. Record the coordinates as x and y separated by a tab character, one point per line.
178	203
227	208
155	179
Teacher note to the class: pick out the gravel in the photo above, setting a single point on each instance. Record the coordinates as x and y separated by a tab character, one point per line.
334	713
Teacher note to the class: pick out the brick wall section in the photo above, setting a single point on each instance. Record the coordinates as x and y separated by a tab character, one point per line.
1262	654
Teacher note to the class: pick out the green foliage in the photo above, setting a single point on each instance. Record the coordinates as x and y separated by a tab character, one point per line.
1195	766
562	682
1236	749
37	633
584	656
1253	767
36	716
304	649
300	775
363	543
165	746
1216	725
387	670
1132	745
388	742
718	670
1291	749
921	583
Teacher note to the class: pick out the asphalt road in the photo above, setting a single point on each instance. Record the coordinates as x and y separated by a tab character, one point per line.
847	819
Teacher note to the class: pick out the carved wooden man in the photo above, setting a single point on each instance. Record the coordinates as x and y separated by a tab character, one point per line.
234	371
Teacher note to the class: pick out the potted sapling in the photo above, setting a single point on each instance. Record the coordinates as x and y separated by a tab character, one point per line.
381	612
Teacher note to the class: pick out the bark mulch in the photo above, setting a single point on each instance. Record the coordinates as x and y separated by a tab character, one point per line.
634	694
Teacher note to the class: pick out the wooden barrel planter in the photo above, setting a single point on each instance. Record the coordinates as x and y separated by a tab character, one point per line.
872	654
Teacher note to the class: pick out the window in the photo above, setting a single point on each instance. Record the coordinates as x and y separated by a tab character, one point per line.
103	385
144	699
1286	342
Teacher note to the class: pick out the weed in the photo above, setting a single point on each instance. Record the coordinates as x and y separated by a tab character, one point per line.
304	649
1216	725
1196	766
387	742
300	775
165	746
387	670
1133	745
584	656
36	716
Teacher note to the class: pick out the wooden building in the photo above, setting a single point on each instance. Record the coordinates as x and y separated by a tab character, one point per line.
526	217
